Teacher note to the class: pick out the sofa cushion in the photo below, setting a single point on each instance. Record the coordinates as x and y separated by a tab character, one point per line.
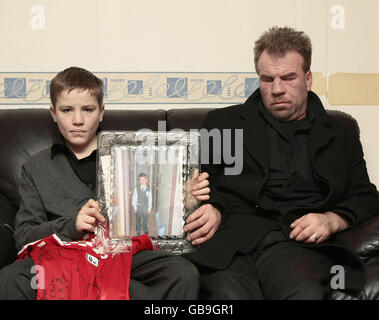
132	119
186	119
8	250
23	132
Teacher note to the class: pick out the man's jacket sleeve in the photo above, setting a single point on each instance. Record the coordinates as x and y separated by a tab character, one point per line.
208	164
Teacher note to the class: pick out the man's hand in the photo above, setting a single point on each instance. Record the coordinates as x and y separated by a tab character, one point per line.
202	224
201	190
88	215
197	189
317	227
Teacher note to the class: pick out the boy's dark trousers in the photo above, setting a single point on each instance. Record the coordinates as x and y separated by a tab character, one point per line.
142	214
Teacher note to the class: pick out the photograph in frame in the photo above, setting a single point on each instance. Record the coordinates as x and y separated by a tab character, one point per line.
143	186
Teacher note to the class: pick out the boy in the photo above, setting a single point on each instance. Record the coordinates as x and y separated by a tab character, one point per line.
57	191
142	203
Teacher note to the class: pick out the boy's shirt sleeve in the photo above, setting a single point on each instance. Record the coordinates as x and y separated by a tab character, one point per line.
31	222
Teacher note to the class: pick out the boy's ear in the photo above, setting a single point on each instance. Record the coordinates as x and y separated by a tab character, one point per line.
52	112
102	112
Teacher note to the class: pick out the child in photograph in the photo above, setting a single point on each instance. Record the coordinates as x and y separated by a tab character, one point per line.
142	203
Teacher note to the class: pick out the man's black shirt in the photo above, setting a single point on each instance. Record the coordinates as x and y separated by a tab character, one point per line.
291	183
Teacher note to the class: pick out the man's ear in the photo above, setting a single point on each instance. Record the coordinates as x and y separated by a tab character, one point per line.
309	79
52	112
102	109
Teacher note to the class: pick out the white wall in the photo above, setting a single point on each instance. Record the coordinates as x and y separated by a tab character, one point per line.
200	40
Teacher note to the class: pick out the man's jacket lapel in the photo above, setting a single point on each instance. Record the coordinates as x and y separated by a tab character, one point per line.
253	126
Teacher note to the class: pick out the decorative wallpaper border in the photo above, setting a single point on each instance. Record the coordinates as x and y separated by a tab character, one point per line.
32	88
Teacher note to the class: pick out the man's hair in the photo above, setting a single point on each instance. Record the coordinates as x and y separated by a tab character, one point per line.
76	78
279	40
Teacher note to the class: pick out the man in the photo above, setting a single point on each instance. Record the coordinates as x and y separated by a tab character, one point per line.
303	180
56	197
142	203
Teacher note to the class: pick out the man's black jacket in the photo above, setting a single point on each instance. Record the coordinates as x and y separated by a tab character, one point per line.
336	156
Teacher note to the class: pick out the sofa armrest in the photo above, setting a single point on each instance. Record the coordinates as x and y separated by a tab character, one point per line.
8	210
363	240
8	250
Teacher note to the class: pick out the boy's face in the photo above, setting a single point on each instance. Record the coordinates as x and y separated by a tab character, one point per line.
78	114
143	181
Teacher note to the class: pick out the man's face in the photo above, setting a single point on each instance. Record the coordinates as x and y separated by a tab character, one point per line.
77	114
284	85
143	181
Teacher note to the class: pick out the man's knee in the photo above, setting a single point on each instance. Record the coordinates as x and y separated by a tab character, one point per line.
307	290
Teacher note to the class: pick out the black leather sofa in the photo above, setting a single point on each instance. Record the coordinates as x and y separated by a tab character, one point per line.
24	132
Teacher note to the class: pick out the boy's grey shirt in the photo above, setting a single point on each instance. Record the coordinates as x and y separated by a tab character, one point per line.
51	195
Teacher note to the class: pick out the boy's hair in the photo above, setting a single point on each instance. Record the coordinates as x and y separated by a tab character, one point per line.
142	175
279	40
76	78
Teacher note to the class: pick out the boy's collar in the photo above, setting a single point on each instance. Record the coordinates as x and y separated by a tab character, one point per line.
60	145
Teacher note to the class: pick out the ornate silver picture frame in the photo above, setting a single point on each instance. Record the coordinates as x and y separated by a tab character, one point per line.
144	181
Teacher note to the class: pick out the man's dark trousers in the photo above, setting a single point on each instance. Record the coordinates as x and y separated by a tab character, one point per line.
276	269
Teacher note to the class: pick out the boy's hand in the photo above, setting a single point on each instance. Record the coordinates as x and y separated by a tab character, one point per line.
202	223
88	215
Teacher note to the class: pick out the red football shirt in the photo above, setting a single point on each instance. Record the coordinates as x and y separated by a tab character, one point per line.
74	271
